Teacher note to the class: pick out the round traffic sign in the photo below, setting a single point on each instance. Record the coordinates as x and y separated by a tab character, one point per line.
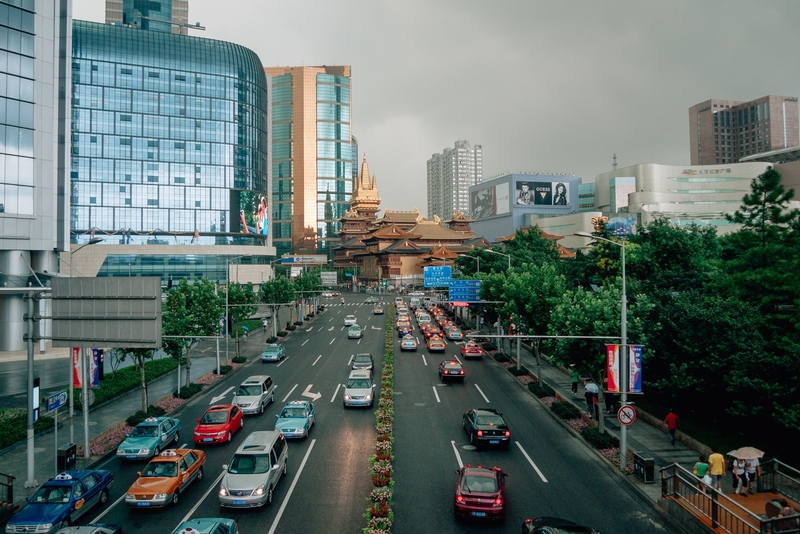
626	415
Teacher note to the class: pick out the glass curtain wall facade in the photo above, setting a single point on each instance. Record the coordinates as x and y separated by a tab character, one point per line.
169	139
282	176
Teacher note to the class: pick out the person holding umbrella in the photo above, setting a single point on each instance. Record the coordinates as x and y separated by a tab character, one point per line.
746	462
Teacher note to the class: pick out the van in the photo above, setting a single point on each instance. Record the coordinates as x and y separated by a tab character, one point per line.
358	391
255	469
414	303
255	394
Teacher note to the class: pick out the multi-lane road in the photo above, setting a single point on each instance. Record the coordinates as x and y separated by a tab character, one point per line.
550	471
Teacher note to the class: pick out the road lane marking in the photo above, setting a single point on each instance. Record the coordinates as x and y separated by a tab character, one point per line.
194	508
290	392
458	456
459	359
283	361
309	329
436	394
359	341
291	488
481	392
315	361
304	342
424	360
217	398
351	360
122	498
531	461
331	319
336	392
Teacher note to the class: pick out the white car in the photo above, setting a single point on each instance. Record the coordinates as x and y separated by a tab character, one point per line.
417	294
350	320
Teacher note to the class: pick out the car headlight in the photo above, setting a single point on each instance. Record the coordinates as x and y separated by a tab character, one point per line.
259	491
222	433
369	396
160	496
222	491
144	451
347	397
130	497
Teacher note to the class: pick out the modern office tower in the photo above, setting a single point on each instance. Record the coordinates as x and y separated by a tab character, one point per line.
170	16
312	163
724	131
450	175
34	69
170	155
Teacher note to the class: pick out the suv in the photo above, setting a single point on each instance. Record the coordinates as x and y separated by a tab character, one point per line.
358	389
486	426
250	478
254	394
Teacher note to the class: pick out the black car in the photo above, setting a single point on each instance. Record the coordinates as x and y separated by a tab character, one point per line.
486	427
451	370
554	525
363	361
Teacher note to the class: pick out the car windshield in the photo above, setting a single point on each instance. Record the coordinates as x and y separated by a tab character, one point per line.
491	420
358	384
355	328
160	469
363	359
145	431
249	464
274	350
214	418
51	495
350	318
248	391
479	484
293	412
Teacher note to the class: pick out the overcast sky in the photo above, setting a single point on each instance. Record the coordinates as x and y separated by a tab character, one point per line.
548	86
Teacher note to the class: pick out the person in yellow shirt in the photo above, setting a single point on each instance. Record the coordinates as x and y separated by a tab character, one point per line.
716	465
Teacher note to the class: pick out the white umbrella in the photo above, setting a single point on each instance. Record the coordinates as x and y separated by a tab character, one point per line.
746	453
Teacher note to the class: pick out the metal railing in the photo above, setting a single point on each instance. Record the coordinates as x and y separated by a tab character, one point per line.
6	488
777	476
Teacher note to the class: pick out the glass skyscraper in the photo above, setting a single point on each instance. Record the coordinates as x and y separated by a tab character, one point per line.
169	146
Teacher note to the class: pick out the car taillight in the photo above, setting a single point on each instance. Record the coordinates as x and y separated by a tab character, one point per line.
498	502
462	372
508	434
480	433
459	499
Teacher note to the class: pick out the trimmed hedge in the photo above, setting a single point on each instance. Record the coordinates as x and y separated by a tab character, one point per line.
138	417
541	390
565	410
238	359
270	339
599	441
488	346
192	389
225	369
501	357
298	323
291	327
14	422
283	333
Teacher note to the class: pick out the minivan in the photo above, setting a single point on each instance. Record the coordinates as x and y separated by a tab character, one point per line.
358	391
255	394
255	469
415	303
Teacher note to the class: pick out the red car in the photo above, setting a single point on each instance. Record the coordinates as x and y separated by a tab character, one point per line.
218	424
470	349
480	493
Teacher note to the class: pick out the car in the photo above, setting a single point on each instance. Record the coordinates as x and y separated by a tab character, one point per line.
364	361
408	342
451	370
358	391
61	501
355	332
273	353
327	294
480	493
218	424
470	349
377	310
260	462
433	330
454	333
350	320
398	301
148	438
254	394
296	419
403	331
371	300
554	525
208	525
486	426
402	310
436	343
92	528
165	478
402	321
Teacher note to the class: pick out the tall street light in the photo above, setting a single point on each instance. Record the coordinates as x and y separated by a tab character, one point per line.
623	353
508	256
476	258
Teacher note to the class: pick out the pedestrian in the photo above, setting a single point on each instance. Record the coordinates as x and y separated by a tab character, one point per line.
753	471
672	425
575	376
264	325
740	468
786	511
700	470
716	463
590	394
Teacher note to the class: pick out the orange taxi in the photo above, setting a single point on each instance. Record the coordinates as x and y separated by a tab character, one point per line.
165	478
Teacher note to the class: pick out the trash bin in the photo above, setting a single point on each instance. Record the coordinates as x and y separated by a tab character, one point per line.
65	457
644	468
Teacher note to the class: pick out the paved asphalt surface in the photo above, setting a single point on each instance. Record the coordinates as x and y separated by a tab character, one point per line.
550	471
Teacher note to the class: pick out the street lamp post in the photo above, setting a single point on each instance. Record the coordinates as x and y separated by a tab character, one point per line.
623	353
508	256
476	258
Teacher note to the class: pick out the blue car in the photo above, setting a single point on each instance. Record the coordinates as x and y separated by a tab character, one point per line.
273	353
296	419
207	525
61	501
149	438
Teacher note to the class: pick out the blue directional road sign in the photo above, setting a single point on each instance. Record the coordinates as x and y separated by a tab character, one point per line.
465	291
437	276
57	400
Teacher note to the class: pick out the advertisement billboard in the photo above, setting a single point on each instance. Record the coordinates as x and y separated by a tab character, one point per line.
634	369
542	194
483	203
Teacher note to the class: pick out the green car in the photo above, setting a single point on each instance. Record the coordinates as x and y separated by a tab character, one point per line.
354	332
296	419
273	353
149	437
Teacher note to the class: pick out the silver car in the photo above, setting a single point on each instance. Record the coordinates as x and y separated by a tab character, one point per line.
358	391
254	471
255	394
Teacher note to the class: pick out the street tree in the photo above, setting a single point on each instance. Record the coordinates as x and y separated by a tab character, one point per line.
242	304
276	292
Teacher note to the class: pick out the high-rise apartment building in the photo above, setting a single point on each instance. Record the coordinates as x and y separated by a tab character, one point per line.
34	99
312	160
170	16
450	175
724	131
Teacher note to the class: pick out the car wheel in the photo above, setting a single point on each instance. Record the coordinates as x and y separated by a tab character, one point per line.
261	410
285	469
177	437
269	497
65	523
175	498
104	496
199	474
156	451
241	424
229	436
472	439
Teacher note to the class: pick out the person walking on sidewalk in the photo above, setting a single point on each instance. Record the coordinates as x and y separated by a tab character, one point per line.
740	470
575	376
716	463
700	470
753	470
590	394
672	425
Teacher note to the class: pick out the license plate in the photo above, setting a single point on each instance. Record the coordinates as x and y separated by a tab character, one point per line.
479	514
145	503
238	503
131	457
208	439
494	441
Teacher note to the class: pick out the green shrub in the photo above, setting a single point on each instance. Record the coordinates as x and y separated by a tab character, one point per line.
127	379
598	440
138	417
502	357
272	339
298	323
541	390
283	333
239	359
565	410
192	389
291	328
225	369
488	346
14	422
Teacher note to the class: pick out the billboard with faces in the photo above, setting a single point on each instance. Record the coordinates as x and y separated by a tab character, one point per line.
542	193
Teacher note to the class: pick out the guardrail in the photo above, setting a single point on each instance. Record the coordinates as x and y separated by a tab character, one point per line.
777	476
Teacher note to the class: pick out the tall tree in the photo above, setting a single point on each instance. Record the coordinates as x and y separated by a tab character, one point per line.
242	304
277	292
